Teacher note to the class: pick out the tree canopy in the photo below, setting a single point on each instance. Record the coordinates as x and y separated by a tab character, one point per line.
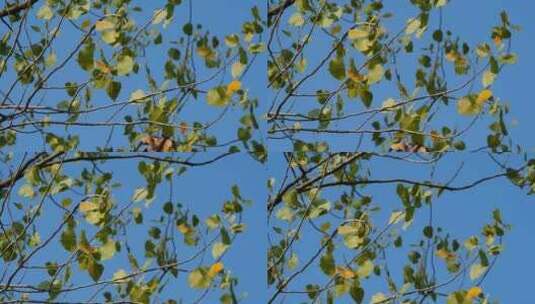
158	151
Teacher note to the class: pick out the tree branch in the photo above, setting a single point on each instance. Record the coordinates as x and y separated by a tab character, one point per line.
12	10
279	9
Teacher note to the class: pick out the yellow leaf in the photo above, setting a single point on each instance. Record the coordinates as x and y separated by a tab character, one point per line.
237	69
102	25
451	56
119	276
375	74
107	251
354	75
233	86
137	96
183	228
476	271
296	19
345	272
198	278
218	249
473	292
110	36
159	16
483	96
466	107
357	33
215	269
88	206
45	13
444	254
413	25
497	40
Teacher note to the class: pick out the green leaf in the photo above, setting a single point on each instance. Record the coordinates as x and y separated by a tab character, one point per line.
357	294
125	65
95	270
337	69
188	29
428	232
86	56
327	264
68	239
113	89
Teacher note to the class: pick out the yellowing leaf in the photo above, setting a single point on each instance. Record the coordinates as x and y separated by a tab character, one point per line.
357	33
87	206
110	36
413	24
45	13
218	96
375	74
296	19
232	40
159	16
218	249
233	86
119	276
476	271
215	269
26	191
483	96
137	96
198	278
445	254
293	261
378	298
440	3
102	25
345	272
107	251
365	269
488	78
473	292
50	60
125	65
396	216
183	228
140	194
466	107
237	69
